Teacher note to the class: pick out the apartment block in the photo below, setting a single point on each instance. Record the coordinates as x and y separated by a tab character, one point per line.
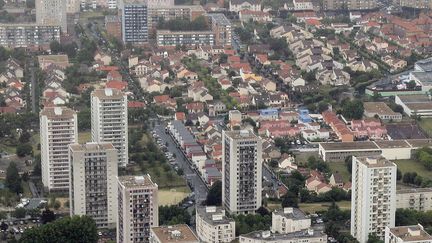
419	199
173	234
304	236
137	208
51	13
288	220
420	4
113	25
58	129
109	120
188	38
134	21
222	28
373	196
93	190
167	13
73	6
13	35
241	171
349	4
213	226
411	233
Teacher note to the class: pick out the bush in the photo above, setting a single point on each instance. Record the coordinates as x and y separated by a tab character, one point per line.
24	149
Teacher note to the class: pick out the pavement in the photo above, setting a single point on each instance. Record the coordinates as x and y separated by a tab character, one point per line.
194	180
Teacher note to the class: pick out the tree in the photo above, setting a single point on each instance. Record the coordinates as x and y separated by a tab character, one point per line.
352	109
398	175
68	229
290	200
171	215
24	149
214	196
47	216
19	213
84	119
373	238
13	180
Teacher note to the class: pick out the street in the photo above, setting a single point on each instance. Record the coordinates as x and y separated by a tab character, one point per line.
193	179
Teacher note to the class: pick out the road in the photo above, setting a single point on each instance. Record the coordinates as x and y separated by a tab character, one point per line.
194	180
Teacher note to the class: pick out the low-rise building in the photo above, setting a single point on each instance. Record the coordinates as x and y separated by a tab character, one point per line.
173	234
411	233
239	5
212	225
305	236
415	105
289	220
382	110
419	199
188	38
167	13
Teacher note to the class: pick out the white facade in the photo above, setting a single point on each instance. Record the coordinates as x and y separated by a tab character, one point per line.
373	197
402	234
419	199
289	220
242	171
93	190
52	13
109	120
138	203
302	5
58	129
213	226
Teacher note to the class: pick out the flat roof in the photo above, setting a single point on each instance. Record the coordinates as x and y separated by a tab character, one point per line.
241	134
414	98
213	215
273	237
375	161
162	8
425	64
418	143
292	213
108	93
411	233
136	181
180	32
58	112
220	18
413	190
367	145
180	233
379	108
91	146
383	144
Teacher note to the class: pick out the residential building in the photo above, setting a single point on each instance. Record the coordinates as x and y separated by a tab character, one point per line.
241	171
212	225
173	234
137	203
109	120
373	196
189	38
134	21
58	129
411	233
289	220
221	27
93	191
172	12
419	199
349	4
113	25
422	4
305	236
382	110
415	105
300	5
28	35
73	6
51	13
239	5
160	3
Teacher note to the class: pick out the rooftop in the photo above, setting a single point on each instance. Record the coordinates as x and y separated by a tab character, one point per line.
136	181
241	134
58	112
392	144
350	146
411	233
424	65
108	93
180	233
273	237
219	18
181	32
292	213
91	146
379	108
375	161
213	215
413	190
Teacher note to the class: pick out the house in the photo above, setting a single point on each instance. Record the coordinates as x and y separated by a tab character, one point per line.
114	75
165	100
336	180
102	58
203	118
268	85
335	77
239	5
300	5
120	85
188	75
195	107
287	162
180	116
256	16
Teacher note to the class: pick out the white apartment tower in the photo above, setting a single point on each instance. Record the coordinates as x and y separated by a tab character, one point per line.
373	196
241	171
213	226
137	208
93	188
52	13
109	120
58	129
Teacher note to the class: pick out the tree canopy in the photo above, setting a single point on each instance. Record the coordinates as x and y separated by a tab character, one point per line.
352	109
13	180
199	23
214	196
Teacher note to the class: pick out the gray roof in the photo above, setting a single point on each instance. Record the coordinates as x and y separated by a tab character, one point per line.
295	214
424	65
207	215
236	2
273	237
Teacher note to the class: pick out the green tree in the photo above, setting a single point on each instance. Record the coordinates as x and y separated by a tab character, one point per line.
69	229
47	216
19	213
214	196
290	200
352	109
24	149
171	215
13	180
373	238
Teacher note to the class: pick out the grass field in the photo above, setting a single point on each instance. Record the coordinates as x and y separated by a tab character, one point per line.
413	166
341	168
84	137
172	196
316	207
426	125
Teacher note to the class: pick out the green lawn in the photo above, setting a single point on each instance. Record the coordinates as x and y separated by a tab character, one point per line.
172	196
413	166
84	137
316	207
426	125
341	168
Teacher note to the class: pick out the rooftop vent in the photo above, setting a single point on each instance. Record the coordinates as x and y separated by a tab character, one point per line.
108	92
58	111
